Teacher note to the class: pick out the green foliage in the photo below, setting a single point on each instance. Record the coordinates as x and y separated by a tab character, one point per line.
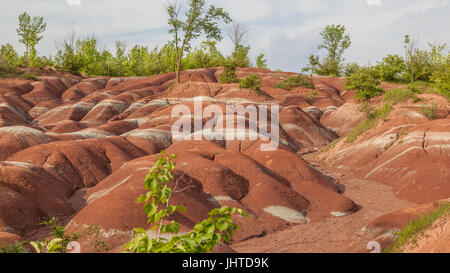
408	234
366	83
205	235
240	56
351	68
9	54
60	241
198	19
391	67
17	247
30	30
441	74
371	120
430	111
261	62
29	76
395	96
228	74
252	81
335	41
206	56
294	82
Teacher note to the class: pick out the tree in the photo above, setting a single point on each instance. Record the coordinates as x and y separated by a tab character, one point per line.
238	34
313	62
29	30
197	20
409	48
10	55
390	67
335	41
261	62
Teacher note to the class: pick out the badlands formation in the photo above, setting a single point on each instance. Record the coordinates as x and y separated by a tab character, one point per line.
79	149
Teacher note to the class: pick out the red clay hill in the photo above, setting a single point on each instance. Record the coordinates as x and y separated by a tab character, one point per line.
79	149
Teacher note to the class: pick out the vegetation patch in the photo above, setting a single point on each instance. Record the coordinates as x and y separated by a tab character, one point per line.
395	96
252	82
371	120
409	233
294	82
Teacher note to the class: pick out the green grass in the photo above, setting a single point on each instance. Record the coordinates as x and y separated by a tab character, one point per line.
252	82
330	146
439	92
29	76
293	82
409	233
395	96
17	247
368	123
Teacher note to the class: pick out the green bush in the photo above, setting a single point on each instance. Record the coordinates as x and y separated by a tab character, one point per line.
395	96
366	83
293	82
252	81
29	76
17	247
391	67
205	235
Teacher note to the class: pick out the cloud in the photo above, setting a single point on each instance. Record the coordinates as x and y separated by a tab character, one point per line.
286	31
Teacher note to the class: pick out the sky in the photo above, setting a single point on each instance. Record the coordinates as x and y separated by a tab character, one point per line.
285	31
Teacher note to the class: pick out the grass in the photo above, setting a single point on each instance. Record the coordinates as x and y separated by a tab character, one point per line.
17	247
29	76
439	92
395	96
409	233
330	146
293	82
430	111
369	122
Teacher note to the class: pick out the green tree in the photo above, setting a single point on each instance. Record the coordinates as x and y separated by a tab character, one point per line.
366	83
9	54
30	30
197	20
390	67
261	62
335	41
313	62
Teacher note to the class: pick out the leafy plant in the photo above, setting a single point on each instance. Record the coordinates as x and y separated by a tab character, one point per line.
335	41
17	247
293	82
391	67
205	235
366	83
59	243
252	81
29	30
261	62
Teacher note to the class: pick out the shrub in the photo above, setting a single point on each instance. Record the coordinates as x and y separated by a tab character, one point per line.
205	235
59	243
293	82
430	111
17	247
366	83
252	81
228	74
261	62
395	96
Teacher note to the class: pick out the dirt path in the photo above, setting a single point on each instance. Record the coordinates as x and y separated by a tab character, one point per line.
334	234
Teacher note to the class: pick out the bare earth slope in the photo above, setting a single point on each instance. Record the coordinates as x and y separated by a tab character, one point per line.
79	149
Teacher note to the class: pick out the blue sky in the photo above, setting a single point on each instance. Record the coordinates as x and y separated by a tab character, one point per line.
286	31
